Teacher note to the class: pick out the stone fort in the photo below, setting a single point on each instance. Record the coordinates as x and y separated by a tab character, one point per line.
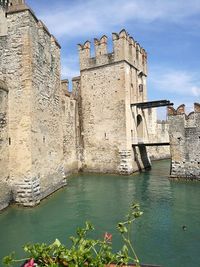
47	132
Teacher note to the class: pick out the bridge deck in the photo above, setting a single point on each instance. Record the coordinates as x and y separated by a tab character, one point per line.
152	104
151	144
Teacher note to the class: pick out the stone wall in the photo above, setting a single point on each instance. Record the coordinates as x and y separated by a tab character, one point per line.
3	61
103	135
18	63
46	109
184	135
35	118
5	192
70	123
158	132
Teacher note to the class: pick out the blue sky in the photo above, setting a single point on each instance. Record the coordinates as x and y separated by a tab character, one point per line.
169	30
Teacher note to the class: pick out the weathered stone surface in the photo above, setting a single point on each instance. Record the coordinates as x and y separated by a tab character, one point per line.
70	122
158	133
184	135
5	192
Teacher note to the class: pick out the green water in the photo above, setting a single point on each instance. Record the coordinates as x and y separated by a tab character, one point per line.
104	200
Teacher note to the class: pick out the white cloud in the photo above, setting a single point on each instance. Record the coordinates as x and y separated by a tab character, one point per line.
180	86
178	82
196	91
69	72
89	16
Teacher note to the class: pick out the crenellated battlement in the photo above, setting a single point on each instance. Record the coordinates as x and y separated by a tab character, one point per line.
125	48
16	6
42	26
181	110
188	120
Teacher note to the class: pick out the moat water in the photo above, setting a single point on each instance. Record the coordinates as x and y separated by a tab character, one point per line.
104	200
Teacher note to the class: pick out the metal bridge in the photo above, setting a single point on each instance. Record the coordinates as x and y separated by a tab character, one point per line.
152	104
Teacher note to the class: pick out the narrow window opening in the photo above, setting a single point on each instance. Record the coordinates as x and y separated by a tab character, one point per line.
140	88
105	136
132	136
9	141
137	54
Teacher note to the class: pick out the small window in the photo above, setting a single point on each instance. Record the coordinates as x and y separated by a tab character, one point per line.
52	63
137	53
140	88
143	59
41	56
105	136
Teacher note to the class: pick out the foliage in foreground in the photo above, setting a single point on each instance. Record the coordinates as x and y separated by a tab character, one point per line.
84	251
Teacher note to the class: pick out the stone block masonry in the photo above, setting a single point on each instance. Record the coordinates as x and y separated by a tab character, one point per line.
28	192
158	133
184	136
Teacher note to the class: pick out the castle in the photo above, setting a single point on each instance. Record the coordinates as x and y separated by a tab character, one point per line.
47	132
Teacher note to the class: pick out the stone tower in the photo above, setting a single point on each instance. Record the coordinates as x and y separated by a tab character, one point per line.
110	83
30	66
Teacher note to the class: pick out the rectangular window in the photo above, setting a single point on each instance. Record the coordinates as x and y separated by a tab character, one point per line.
140	88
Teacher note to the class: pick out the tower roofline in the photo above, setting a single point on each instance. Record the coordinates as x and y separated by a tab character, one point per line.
21	6
125	48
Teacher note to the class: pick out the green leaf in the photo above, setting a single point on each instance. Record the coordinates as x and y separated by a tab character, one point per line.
9	260
56	243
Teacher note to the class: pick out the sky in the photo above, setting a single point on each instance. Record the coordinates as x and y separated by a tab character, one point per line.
169	30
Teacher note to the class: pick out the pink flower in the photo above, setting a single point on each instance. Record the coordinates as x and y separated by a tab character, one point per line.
108	237
30	263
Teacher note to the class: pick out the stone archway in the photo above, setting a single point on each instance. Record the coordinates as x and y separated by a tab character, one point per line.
140	128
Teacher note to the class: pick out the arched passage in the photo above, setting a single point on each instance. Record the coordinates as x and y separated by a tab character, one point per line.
139	128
